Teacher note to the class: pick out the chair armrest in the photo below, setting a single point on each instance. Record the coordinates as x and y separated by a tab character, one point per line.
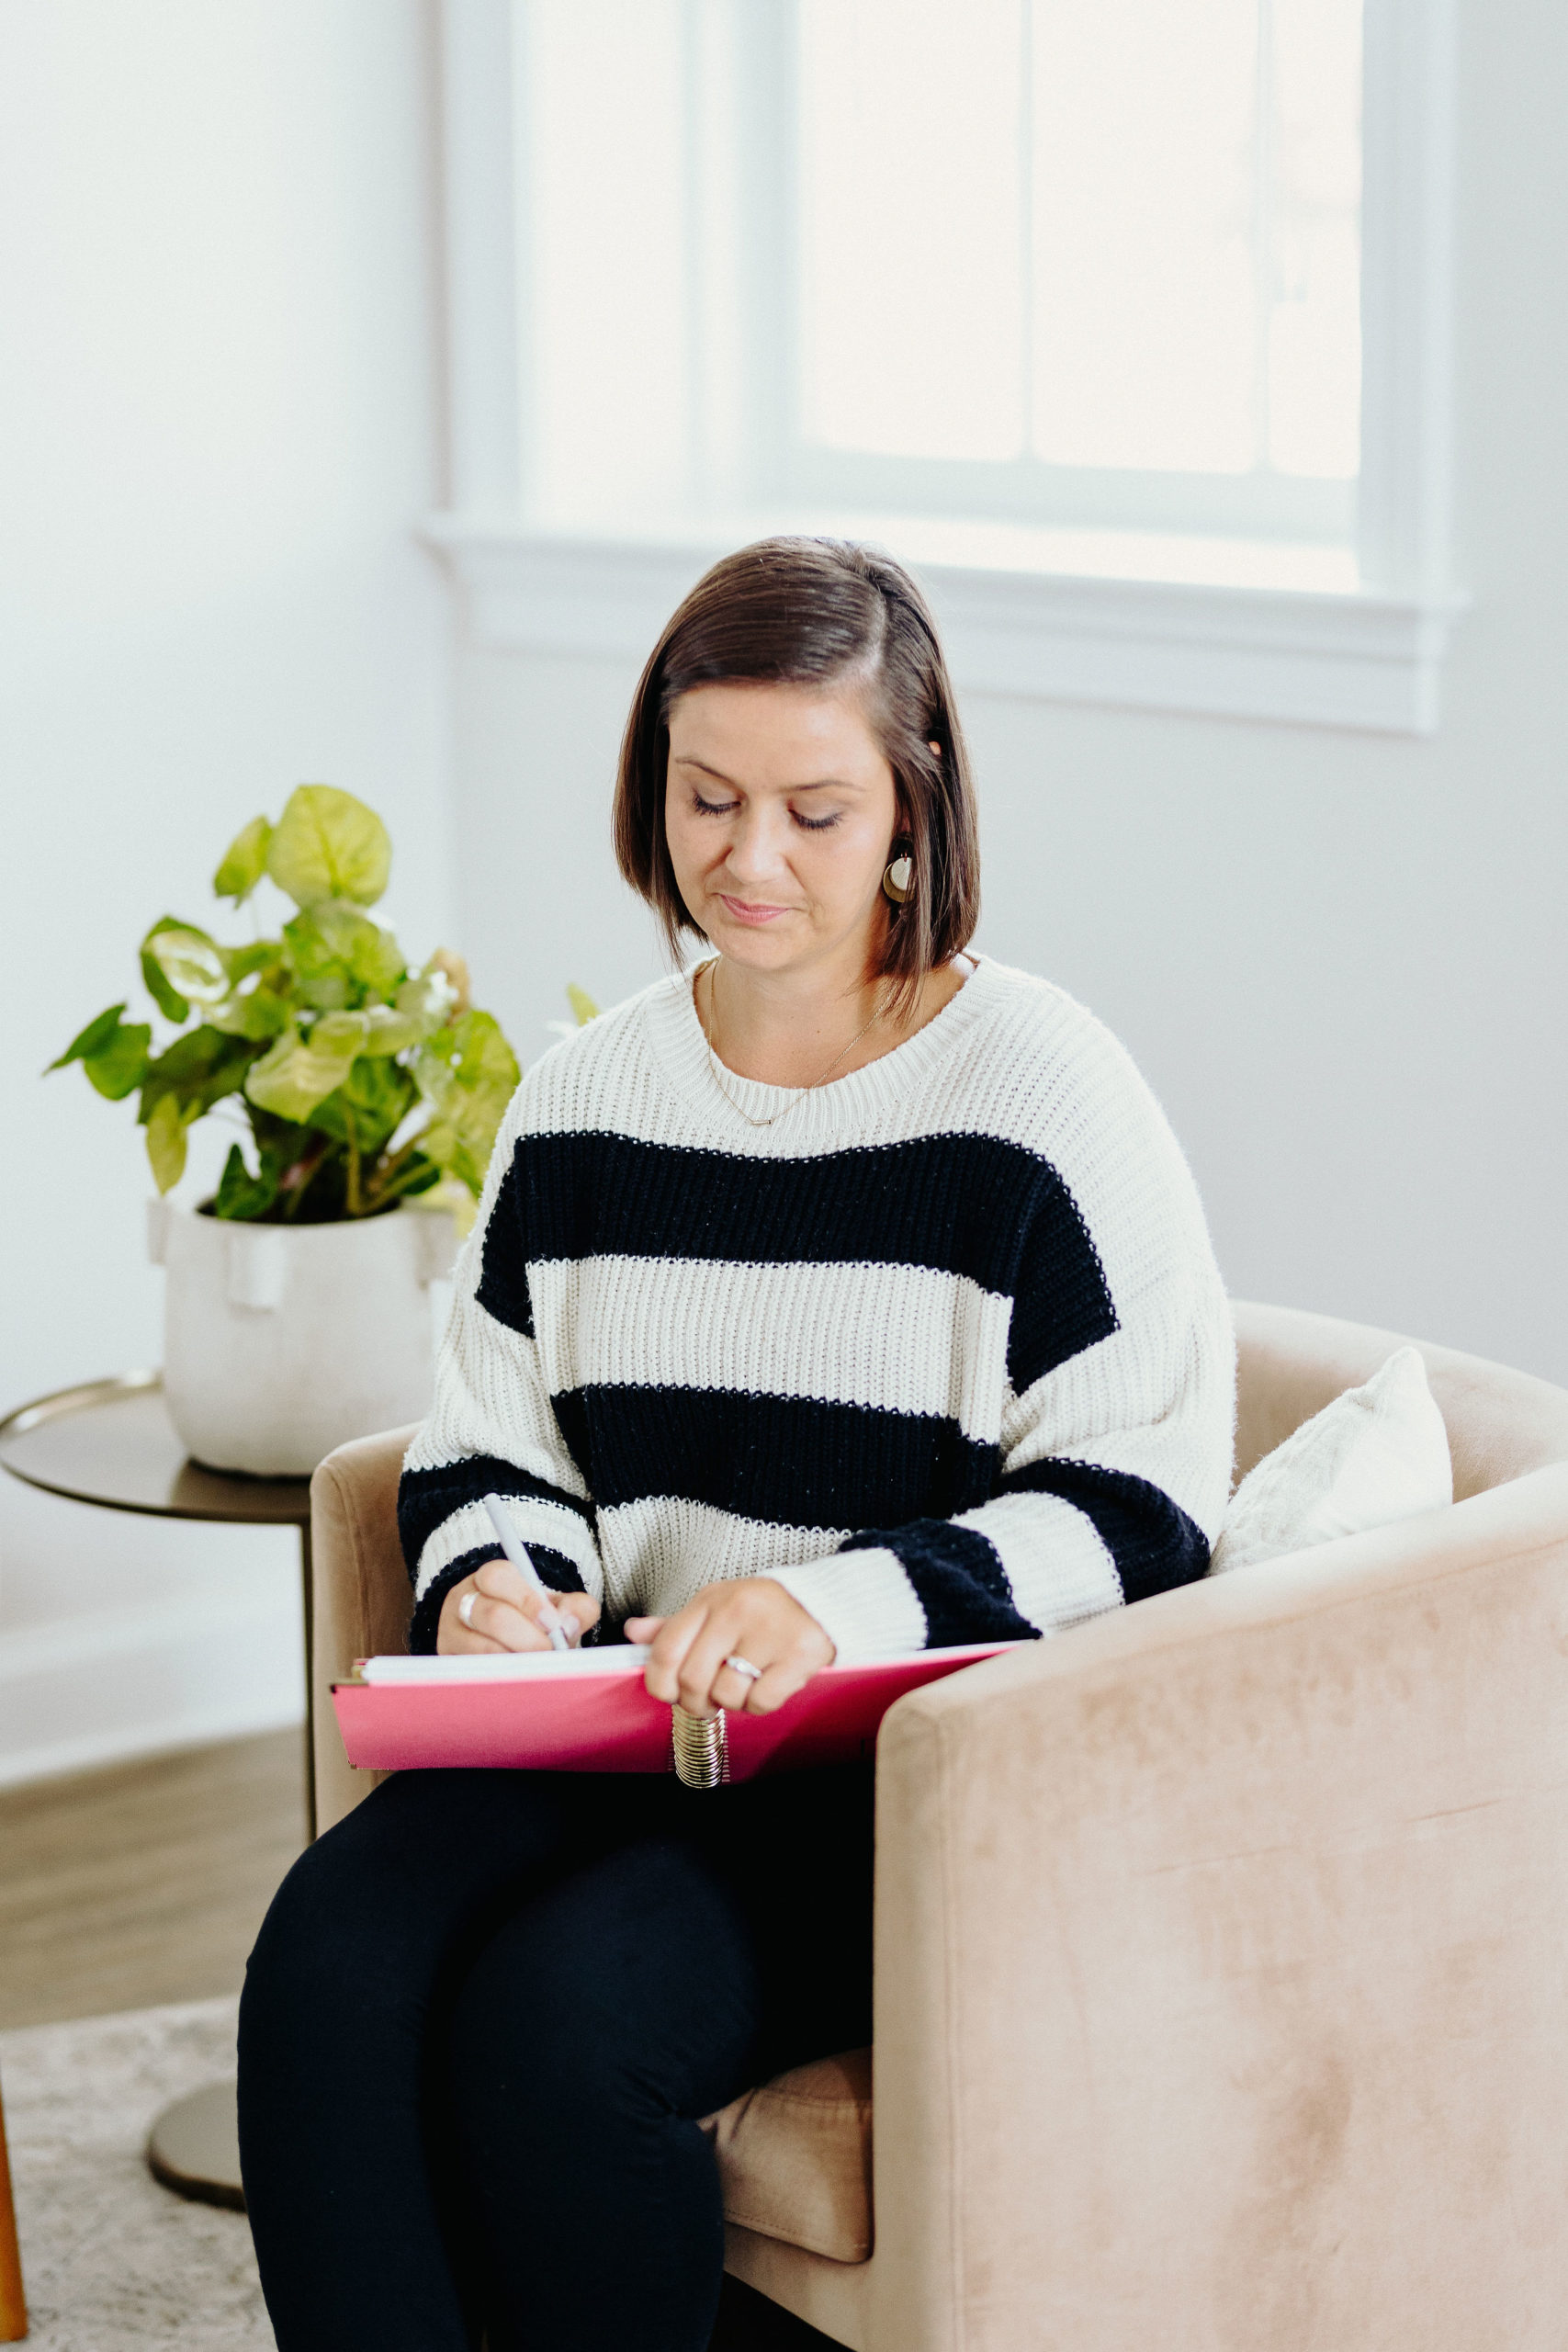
1220	1993
360	1585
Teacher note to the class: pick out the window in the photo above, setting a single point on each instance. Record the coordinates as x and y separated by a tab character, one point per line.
1033	260
1038	291
1082	263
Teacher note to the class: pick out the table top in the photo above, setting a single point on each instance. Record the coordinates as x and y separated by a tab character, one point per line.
112	1442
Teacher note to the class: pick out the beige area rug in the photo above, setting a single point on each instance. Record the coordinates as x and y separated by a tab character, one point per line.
111	2262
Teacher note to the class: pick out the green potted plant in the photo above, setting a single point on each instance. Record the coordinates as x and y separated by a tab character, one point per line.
295	1308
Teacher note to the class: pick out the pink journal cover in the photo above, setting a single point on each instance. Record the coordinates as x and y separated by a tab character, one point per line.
588	1722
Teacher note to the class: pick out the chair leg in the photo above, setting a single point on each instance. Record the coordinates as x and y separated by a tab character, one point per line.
12	2303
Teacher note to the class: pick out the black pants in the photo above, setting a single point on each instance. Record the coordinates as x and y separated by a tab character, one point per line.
479	2020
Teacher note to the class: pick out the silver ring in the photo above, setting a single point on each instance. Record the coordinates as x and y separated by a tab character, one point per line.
744	1668
466	1608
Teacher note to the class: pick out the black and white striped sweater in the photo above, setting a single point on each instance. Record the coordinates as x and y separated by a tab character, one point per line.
945	1350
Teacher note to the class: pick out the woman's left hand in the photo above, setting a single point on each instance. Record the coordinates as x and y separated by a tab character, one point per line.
752	1618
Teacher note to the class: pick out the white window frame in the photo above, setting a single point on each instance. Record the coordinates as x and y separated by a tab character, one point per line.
1221	628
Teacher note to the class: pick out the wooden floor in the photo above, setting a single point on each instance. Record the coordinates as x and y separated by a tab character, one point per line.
146	1882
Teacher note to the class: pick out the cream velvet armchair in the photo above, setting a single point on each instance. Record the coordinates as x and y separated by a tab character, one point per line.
1221	1945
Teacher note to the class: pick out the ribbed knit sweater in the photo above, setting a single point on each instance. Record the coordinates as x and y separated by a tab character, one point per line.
945	1350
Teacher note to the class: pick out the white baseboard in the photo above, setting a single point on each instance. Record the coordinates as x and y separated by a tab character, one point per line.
100	1689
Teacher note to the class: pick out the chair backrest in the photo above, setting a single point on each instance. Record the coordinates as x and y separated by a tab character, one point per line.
361	1594
1501	1424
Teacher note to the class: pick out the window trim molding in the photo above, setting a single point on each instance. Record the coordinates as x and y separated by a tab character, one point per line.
1356	660
1365	657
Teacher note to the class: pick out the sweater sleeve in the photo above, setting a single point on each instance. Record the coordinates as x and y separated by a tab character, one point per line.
1114	1466
1083	1517
492	1428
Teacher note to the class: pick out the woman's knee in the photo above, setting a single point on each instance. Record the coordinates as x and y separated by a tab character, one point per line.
364	1915
371	1913
314	1956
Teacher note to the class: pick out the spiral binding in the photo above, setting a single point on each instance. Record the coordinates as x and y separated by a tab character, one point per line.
699	1747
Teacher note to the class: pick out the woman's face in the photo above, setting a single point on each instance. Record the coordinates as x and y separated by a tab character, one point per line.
780	811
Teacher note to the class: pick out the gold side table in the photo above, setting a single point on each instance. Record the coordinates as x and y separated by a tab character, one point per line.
111	1442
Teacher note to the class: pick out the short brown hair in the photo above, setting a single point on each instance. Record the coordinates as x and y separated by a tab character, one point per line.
817	612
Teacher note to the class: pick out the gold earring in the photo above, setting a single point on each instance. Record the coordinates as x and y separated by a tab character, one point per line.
896	881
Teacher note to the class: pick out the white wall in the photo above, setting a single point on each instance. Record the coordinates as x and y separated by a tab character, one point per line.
1340	959
216	426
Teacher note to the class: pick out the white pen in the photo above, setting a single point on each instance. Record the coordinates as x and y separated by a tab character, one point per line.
516	1551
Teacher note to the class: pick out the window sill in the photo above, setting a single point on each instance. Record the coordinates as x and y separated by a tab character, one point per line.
1223	627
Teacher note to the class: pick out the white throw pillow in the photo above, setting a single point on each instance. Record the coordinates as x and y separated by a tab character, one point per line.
1376	1453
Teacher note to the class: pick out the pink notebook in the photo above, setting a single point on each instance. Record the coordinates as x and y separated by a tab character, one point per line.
588	1711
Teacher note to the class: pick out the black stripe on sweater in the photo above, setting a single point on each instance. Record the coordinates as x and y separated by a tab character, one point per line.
1154	1544
427	1499
425	1625
964	1205
959	1581
503	1265
788	1461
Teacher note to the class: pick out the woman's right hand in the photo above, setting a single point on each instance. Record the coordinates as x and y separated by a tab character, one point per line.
506	1614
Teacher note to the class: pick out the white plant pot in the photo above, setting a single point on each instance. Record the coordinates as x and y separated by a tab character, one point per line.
282	1341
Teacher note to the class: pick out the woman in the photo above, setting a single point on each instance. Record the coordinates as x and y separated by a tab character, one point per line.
849	1295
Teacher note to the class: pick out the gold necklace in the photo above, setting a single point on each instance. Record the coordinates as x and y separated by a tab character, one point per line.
714	1065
